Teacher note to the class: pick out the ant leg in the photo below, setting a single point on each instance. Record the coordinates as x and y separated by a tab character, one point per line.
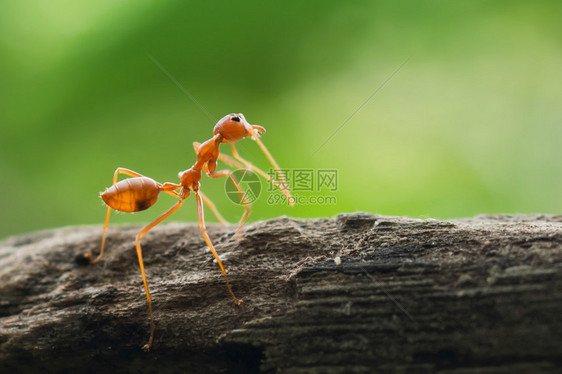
247	205
282	186
210	245
212	206
280	175
170	188
147	228
125	171
105	224
230	161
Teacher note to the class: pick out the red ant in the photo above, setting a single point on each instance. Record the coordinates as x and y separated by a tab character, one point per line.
140	192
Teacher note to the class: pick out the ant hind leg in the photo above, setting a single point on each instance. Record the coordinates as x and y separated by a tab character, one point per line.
87	258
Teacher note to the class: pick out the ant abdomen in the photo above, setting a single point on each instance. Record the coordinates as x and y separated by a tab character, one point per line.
132	194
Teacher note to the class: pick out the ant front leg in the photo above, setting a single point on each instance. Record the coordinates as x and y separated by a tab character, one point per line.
282	186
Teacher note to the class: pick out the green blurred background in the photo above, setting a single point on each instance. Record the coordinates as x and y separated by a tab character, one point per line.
471	123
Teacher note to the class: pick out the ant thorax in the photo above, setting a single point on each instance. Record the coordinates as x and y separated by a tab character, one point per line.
190	178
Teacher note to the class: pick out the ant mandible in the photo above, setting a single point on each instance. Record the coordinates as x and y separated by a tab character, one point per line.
139	192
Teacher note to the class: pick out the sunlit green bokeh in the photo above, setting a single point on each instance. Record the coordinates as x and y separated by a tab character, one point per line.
466	116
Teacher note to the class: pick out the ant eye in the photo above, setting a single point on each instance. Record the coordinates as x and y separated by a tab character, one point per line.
236	119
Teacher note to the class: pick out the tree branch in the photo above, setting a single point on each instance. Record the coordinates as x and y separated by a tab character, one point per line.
349	294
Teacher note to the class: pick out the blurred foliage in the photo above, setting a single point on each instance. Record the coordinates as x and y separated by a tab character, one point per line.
470	124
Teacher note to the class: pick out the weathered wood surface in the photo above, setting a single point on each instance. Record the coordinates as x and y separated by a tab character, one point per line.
481	294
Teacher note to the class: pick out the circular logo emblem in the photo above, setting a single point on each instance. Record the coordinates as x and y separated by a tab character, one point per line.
249	187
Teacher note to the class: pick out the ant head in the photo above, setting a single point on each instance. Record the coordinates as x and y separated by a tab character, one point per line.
234	127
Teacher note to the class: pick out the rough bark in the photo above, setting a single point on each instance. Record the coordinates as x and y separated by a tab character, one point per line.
409	294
